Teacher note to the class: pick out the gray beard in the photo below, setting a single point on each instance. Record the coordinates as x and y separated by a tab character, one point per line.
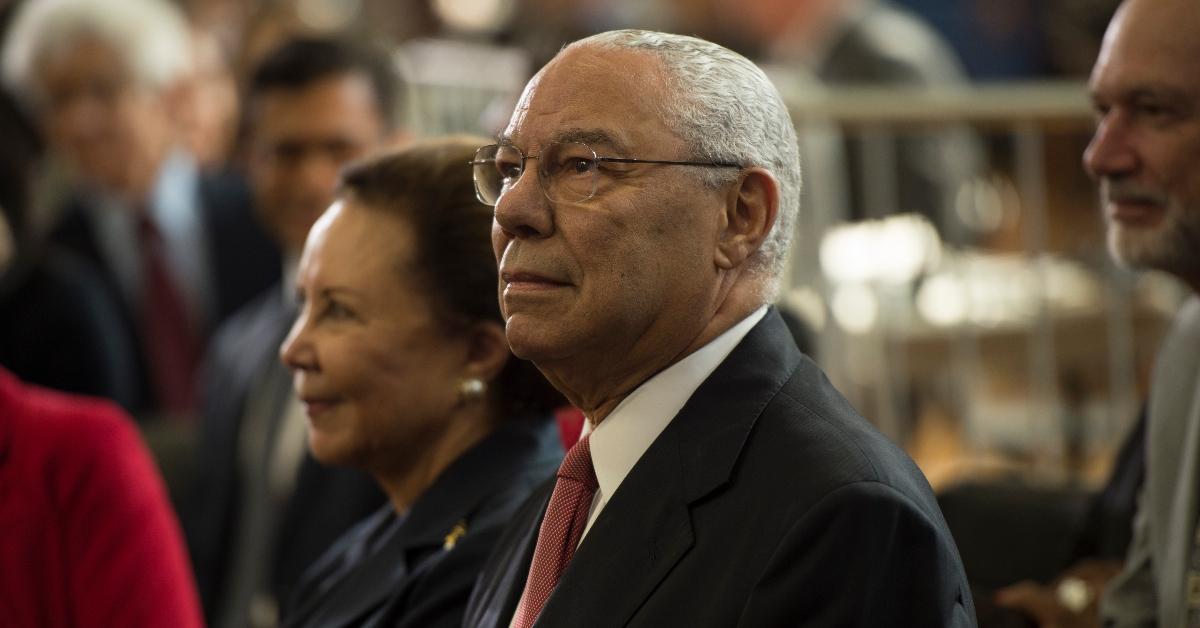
1172	246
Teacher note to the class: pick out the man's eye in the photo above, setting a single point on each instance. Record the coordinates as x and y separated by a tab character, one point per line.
574	166
580	165
509	169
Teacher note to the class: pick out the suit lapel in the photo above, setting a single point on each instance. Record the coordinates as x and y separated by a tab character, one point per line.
646	527
500	595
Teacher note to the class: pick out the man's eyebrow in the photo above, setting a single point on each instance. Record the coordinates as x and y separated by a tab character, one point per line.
591	137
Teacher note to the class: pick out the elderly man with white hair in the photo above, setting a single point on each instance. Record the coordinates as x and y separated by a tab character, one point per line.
180	250
645	192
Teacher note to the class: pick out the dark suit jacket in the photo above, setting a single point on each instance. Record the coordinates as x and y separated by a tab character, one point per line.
767	501
326	501
60	329
413	576
244	260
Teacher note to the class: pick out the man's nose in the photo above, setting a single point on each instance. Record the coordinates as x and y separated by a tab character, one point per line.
1111	151
523	211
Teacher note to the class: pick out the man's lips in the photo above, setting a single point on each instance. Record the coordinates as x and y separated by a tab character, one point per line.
529	281
1135	210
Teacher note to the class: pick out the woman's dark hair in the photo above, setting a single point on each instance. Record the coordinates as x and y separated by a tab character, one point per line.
429	184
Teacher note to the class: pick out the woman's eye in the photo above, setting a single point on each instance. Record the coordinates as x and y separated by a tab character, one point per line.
338	311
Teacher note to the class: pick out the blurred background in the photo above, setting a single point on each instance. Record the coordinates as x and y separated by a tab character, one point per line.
949	273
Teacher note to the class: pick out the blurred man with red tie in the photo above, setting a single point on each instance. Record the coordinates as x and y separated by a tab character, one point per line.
179	249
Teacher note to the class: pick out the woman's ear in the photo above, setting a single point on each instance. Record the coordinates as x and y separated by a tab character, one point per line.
751	208
487	351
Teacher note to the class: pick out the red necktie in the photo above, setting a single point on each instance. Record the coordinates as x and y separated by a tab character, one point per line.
171	346
562	527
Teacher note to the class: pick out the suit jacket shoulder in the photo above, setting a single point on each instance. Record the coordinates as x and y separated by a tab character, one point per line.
244	259
766	501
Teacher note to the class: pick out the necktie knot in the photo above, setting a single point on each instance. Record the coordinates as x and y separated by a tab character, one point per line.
577	464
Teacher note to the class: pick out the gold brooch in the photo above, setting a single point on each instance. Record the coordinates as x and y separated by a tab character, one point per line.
456	533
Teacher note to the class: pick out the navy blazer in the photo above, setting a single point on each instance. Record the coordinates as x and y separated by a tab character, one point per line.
417	570
767	501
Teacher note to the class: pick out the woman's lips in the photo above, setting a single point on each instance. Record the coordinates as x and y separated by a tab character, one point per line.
315	407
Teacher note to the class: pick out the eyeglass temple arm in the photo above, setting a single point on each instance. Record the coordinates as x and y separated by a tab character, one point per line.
631	160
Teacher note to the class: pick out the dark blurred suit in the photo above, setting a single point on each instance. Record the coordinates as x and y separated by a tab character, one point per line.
243	260
767	501
60	329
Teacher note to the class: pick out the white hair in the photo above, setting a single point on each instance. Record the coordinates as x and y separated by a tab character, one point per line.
726	109
151	36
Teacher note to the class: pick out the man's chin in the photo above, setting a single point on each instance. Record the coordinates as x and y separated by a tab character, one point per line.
532	338
1140	248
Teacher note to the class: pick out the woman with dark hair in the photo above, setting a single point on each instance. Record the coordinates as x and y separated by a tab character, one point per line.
400	359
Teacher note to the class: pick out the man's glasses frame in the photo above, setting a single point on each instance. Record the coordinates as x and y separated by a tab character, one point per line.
491	180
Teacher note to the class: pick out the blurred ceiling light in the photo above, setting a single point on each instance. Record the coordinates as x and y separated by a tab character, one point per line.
894	250
474	16
855	308
980	203
942	300
328	15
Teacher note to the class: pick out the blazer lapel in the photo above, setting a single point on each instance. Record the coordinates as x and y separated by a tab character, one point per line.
646	527
368	586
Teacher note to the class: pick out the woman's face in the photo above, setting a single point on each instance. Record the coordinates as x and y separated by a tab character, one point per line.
378	376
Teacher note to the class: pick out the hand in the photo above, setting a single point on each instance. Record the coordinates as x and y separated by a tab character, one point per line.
1071	601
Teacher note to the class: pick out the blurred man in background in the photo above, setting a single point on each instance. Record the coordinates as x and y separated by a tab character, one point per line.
264	508
179	250
1145	154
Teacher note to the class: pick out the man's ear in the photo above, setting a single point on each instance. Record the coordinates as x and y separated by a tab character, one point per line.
751	208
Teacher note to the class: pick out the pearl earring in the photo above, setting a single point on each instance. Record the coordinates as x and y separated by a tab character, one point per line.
471	388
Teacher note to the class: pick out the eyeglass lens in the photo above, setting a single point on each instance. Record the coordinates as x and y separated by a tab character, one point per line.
566	171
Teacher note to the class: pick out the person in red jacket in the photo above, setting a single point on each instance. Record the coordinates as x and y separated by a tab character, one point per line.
87	537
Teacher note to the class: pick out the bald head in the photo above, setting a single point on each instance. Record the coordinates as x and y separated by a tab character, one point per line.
1146	148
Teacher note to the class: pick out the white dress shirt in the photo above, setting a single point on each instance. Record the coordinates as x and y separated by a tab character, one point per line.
625	434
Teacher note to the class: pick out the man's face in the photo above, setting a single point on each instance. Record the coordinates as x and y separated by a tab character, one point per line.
111	130
1146	148
629	273
300	141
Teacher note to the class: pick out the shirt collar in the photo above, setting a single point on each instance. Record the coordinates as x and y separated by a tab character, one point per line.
623	436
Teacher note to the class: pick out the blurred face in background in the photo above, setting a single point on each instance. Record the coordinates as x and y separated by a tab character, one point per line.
300	140
1146	149
373	365
111	130
210	110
